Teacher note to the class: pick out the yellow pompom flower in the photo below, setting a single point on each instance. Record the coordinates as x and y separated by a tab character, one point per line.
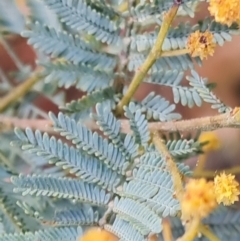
212	139
98	234
226	189
199	199
201	44
225	11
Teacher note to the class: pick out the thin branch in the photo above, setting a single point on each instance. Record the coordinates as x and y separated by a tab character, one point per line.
207	233
171	165
9	123
176	52
209	123
19	91
191	232
154	54
227	120
167	232
11	53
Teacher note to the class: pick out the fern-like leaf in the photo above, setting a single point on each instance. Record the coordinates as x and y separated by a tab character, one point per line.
139	126
81	76
88	168
90	16
91	142
60	44
49	234
13	215
181	62
89	101
60	188
111	127
200	85
140	216
156	107
124	230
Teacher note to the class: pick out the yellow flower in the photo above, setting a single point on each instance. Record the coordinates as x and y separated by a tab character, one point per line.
98	234
225	11
212	139
201	44
199	199
226	189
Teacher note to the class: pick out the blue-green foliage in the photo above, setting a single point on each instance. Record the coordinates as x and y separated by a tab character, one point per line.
82	76
92	173
177	37
223	222
56	152
51	234
60	188
124	230
139	126
93	17
66	46
92	143
89	101
111	127
205	93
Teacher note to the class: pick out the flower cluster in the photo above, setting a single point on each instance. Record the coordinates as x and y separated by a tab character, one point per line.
201	44
225	11
199	199
213	141
226	189
98	234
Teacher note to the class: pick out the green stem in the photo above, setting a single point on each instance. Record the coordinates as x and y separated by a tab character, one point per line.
155	53
11	53
171	165
19	91
208	233
191	232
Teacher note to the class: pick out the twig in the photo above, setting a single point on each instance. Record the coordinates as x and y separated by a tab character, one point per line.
230	119
11	53
4	79
207	233
226	120
191	232
167	233
8	124
171	165
19	91
154	54
176	52
200	164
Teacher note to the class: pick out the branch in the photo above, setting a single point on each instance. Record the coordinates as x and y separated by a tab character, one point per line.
191	232
19	91
176	52
227	120
154	54
167	232
207	233
171	165
9	123
209	123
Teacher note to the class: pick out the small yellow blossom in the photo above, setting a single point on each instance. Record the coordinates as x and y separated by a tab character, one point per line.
212	139
226	189
201	44
225	11
199	199
98	234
